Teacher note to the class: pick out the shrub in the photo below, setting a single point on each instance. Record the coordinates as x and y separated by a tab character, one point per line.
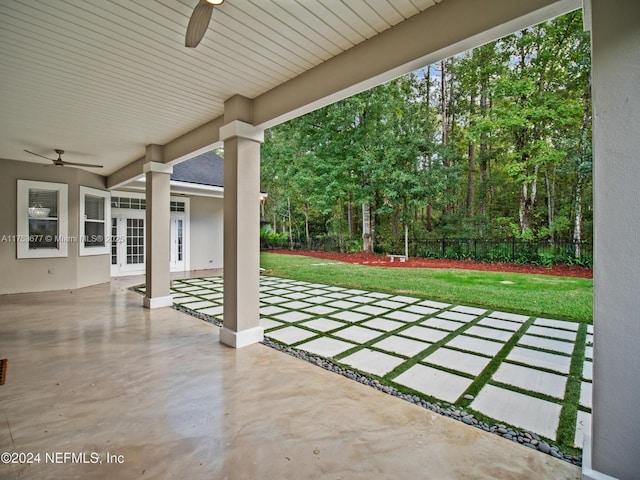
271	239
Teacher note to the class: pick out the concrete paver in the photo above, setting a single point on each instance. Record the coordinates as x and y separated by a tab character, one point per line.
519	410
328	321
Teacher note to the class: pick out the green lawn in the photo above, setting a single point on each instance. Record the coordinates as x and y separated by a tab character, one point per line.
562	298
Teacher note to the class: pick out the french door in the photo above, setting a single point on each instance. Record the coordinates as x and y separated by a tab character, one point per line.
129	242
178	251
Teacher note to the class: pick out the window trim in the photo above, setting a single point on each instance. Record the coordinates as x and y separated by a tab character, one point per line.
22	224
83	250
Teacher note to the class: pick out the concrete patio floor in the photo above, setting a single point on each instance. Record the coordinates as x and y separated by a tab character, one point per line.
92	371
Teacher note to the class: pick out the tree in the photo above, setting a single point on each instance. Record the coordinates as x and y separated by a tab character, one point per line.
491	142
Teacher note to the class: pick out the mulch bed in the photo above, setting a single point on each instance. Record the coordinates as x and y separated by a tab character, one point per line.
383	261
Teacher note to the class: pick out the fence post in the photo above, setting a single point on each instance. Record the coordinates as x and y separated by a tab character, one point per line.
444	248
513	249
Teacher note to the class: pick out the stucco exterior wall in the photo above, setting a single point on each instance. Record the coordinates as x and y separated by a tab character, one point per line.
206	233
616	382
41	274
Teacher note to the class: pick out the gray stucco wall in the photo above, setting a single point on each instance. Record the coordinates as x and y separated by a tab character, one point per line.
206	233
616	383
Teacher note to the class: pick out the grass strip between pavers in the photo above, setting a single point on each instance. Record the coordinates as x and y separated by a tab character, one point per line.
432	348
569	414
491	368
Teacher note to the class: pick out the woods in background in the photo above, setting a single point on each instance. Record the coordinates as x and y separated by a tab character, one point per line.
493	143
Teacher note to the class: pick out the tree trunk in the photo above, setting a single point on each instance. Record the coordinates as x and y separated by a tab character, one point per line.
290	226
484	167
406	240
528	195
350	215
306	227
443	101
471	176
395	219
577	224
367	238
444	112
550	186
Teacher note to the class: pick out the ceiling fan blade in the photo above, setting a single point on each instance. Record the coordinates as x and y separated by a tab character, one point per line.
74	164
198	24
41	156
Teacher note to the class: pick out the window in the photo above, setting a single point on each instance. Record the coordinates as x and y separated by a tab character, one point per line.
129	203
42	219
176	206
94	214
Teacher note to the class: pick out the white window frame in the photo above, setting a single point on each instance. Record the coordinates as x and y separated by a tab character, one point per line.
105	249
22	227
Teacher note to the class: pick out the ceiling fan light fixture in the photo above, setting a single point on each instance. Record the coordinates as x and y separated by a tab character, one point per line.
215	2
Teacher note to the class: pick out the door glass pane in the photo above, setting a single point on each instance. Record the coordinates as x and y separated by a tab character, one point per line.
114	243
180	240
135	241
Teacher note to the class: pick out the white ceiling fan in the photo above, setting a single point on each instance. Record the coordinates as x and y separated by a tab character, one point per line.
199	21
58	162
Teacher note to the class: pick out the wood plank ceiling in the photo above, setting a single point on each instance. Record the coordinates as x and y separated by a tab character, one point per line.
103	78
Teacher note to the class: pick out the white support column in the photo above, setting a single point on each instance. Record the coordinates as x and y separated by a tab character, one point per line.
612	450
157	241
241	234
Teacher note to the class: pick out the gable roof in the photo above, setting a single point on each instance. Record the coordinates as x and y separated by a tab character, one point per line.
205	169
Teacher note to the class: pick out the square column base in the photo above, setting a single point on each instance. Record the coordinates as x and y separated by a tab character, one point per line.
587	472
157	302
242	338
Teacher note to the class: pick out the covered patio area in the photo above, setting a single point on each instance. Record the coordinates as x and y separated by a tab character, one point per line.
111	83
94	373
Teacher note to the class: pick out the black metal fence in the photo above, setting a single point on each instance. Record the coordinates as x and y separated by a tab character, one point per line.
512	250
537	252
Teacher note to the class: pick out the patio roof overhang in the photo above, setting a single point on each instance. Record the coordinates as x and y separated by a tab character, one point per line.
105	79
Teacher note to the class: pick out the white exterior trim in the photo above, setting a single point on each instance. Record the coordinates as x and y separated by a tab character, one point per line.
157	167
22	227
180	188
242	338
157	302
241	129
106	249
587	472
122	213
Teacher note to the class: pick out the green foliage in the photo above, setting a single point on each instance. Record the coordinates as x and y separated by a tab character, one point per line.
495	142
271	239
353	246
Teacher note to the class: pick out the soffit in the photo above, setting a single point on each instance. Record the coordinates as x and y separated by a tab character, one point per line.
104	78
